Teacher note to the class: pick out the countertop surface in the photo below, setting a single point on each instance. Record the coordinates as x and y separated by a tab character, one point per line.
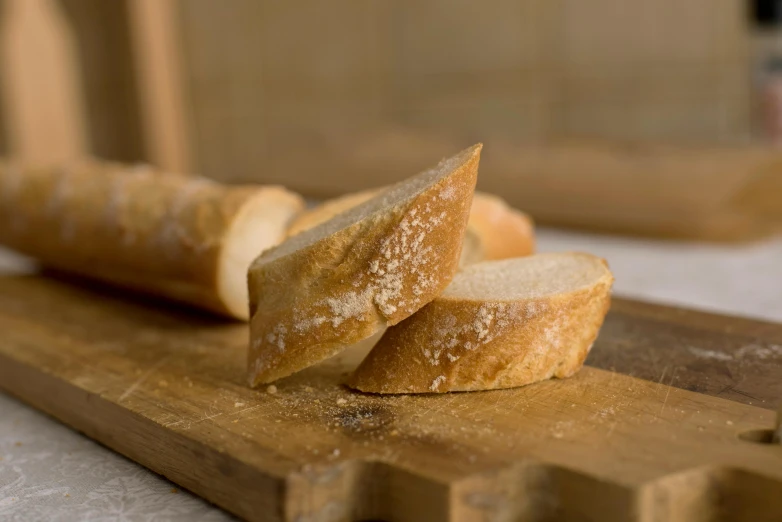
49	472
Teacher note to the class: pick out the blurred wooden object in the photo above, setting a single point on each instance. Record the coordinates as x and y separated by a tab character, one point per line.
709	192
155	39
269	81
43	102
101	34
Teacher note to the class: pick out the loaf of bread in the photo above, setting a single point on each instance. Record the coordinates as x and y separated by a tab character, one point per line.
494	231
351	276
188	239
499	324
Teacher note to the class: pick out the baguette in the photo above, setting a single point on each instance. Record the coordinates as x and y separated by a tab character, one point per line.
346	279
495	230
499	324
183	238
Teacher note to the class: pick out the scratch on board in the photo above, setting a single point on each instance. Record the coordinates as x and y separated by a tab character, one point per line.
144	376
666	400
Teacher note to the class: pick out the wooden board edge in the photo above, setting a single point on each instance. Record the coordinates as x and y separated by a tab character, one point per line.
127	433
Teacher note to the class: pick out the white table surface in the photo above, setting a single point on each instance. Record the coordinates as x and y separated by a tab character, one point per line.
49	472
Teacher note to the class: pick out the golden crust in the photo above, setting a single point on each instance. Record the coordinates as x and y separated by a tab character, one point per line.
465	345
134	227
495	230
316	301
504	231
328	209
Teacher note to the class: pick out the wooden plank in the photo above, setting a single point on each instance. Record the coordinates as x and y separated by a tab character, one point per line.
156	44
729	357
166	388
101	36
42	93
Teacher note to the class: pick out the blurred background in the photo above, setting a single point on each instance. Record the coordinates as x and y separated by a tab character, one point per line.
642	118
331	97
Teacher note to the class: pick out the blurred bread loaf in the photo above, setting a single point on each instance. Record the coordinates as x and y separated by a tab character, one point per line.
183	238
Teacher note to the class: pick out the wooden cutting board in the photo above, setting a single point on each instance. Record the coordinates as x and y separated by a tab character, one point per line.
166	388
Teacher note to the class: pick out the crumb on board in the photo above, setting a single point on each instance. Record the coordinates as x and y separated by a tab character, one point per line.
238	404
272	389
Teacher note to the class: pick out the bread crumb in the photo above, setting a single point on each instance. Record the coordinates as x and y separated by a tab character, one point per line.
163	383
238	404
341	402
174	491
308	389
271	389
436	383
17	443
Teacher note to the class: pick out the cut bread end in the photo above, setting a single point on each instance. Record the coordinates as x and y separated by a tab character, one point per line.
260	224
504	231
345	279
499	324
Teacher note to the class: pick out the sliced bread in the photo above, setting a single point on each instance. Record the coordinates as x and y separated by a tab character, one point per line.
495	229
349	277
499	324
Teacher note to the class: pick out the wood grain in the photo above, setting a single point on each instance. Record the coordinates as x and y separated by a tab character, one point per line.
42	93
733	358
165	388
162	92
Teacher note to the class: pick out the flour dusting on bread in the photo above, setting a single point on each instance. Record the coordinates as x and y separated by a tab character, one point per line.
349	277
499	324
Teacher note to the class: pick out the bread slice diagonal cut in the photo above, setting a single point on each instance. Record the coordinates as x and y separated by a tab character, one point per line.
349	277
499	324
495	229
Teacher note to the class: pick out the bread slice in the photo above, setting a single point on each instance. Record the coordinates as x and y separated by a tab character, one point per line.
472	247
347	278
184	238
499	324
495	230
328	209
